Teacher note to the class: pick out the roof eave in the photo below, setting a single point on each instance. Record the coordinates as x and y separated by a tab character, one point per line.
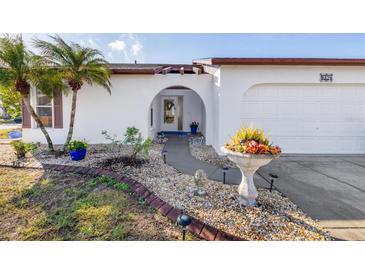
282	61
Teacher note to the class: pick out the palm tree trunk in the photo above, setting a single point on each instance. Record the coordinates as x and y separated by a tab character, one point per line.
38	121
72	119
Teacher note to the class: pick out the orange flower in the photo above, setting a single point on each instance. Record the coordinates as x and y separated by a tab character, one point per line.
263	149
275	150
252	147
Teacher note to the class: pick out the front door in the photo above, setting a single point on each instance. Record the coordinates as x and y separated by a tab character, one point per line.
169	113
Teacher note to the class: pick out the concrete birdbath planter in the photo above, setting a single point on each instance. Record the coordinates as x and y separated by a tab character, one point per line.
249	149
248	164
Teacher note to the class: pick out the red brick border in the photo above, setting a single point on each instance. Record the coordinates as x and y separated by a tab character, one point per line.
196	227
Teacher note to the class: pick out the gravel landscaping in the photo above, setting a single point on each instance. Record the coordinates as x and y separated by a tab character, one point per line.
207	154
277	218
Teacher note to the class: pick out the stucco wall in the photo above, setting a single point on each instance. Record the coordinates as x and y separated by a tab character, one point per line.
234	81
128	105
221	93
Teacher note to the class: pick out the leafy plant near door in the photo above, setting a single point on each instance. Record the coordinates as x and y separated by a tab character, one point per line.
253	141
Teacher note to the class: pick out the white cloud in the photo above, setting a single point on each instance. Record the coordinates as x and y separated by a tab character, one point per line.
136	49
89	42
126	48
117	45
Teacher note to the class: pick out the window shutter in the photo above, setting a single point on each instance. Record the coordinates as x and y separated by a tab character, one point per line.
26	121
57	109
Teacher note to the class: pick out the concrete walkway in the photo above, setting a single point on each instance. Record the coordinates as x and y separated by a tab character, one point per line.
178	155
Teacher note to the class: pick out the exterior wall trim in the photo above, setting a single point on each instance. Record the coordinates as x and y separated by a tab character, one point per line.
282	61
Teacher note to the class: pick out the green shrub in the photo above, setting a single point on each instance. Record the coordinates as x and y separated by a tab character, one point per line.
22	148
77	145
132	137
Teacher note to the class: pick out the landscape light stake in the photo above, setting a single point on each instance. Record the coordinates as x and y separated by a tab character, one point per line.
225	169
271	184
164	155
184	221
272	180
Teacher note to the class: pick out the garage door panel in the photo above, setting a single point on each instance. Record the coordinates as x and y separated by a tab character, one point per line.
340	129
309	118
321	145
282	128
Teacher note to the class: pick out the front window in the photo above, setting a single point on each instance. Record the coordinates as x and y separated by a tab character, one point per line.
44	109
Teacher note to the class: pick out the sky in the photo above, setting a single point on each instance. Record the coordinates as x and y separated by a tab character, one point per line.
183	48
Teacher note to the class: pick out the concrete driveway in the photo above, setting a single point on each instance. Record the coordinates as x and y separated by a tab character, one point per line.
330	189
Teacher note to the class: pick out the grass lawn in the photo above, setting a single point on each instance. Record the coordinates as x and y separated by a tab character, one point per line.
4	133
42	205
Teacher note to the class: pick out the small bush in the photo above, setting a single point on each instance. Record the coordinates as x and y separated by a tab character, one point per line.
77	145
132	137
22	148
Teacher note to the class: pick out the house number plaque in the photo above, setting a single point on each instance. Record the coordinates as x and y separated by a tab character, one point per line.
326	77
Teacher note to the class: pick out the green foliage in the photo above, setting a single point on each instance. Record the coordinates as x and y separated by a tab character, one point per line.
20	69
115	145
109	182
11	101
77	145
250	134
22	148
132	137
252	140
76	63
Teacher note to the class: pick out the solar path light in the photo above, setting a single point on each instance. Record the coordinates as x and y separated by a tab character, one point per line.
183	220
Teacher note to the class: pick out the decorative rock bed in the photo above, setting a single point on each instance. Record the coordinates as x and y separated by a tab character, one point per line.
277	218
208	154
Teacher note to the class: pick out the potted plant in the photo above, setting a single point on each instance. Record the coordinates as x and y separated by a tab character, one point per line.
250	149
194	127
77	150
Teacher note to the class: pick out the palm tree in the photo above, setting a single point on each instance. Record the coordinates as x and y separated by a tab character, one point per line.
20	69
78	65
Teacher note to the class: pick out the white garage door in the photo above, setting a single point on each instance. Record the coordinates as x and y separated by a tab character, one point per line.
309	118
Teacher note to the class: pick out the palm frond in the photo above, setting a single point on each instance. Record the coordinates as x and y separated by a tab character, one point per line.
78	64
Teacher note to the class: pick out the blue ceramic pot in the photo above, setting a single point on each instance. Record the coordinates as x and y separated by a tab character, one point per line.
14	134
193	130
77	155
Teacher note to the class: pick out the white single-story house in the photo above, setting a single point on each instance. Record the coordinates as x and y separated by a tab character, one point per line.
306	105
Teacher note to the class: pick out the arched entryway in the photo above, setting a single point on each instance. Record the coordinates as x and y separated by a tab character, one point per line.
173	109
